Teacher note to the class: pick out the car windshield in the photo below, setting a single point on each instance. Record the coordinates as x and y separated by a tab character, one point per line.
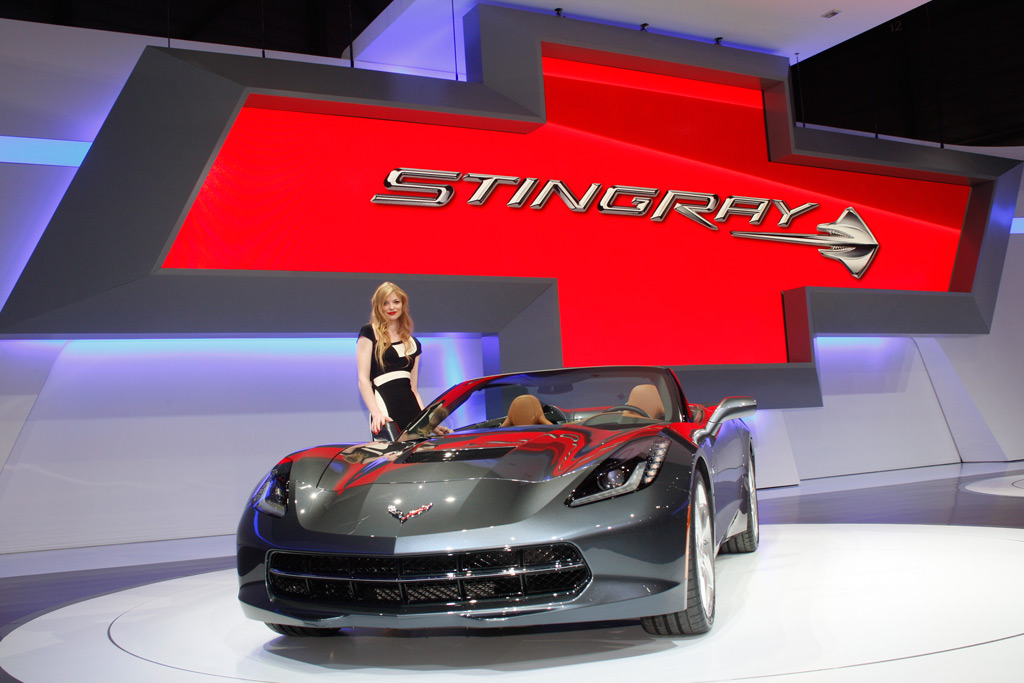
604	397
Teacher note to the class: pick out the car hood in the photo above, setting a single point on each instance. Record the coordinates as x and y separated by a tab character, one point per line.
454	482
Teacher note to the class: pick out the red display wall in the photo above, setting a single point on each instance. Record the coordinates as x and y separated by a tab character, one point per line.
291	191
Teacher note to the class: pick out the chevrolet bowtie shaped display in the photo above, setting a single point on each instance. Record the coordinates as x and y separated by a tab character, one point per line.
588	184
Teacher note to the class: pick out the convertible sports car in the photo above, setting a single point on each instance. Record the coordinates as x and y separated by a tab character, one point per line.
574	495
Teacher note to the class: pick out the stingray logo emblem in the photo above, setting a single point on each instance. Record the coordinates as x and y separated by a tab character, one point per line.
848	241
403	517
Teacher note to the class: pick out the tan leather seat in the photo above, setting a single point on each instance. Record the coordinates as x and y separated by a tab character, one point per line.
647	398
525	410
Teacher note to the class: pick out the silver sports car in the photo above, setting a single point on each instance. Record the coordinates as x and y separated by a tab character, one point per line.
573	495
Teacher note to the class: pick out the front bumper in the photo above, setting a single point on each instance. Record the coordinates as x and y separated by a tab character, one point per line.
633	549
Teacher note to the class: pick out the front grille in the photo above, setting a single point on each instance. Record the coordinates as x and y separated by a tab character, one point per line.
484	578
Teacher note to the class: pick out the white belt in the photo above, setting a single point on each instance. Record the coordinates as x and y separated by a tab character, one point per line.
388	376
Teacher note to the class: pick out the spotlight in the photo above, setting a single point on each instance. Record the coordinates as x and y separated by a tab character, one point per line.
831	13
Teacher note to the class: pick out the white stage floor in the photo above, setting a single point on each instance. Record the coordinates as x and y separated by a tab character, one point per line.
833	602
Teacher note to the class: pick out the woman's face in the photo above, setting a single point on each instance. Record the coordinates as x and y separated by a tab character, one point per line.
392	307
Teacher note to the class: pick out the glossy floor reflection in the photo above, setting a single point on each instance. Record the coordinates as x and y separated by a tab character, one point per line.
816	603
836	593
979	494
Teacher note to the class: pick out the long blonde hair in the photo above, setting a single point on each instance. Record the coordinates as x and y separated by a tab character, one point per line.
380	321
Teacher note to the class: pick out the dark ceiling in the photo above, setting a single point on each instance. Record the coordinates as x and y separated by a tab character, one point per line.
950	71
316	27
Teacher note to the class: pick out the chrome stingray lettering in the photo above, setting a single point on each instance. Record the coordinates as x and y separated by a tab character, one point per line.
848	240
616	200
404	517
396	180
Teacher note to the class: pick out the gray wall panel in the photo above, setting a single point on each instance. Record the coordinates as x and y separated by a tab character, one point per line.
533	340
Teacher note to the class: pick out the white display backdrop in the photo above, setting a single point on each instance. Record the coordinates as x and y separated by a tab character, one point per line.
108	442
880	412
991	366
127	441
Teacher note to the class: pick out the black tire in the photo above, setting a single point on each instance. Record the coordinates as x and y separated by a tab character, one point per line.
302	631
747	541
699	615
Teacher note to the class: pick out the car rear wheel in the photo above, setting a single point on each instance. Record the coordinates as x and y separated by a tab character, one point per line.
747	541
699	614
302	631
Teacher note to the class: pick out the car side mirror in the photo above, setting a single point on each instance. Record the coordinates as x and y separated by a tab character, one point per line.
389	432
730	408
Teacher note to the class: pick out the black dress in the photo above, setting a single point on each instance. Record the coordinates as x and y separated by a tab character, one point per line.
392	386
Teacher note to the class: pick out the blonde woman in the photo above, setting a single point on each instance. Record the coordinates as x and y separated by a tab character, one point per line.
386	356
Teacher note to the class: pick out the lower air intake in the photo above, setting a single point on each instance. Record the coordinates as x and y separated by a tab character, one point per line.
483	578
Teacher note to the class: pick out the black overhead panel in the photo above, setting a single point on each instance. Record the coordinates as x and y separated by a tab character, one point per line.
949	71
314	27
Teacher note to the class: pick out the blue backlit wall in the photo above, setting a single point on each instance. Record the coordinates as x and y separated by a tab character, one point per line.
14	150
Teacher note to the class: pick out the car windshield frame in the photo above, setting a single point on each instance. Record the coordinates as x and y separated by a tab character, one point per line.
568	396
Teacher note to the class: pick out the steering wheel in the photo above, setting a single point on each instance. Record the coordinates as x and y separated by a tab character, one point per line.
554	413
632	409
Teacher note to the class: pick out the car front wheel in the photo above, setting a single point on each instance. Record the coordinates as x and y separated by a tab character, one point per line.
699	614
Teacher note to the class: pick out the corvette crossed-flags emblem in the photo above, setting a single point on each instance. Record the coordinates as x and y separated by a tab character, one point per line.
403	517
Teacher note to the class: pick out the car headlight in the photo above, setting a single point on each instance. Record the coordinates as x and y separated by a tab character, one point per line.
629	469
271	496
